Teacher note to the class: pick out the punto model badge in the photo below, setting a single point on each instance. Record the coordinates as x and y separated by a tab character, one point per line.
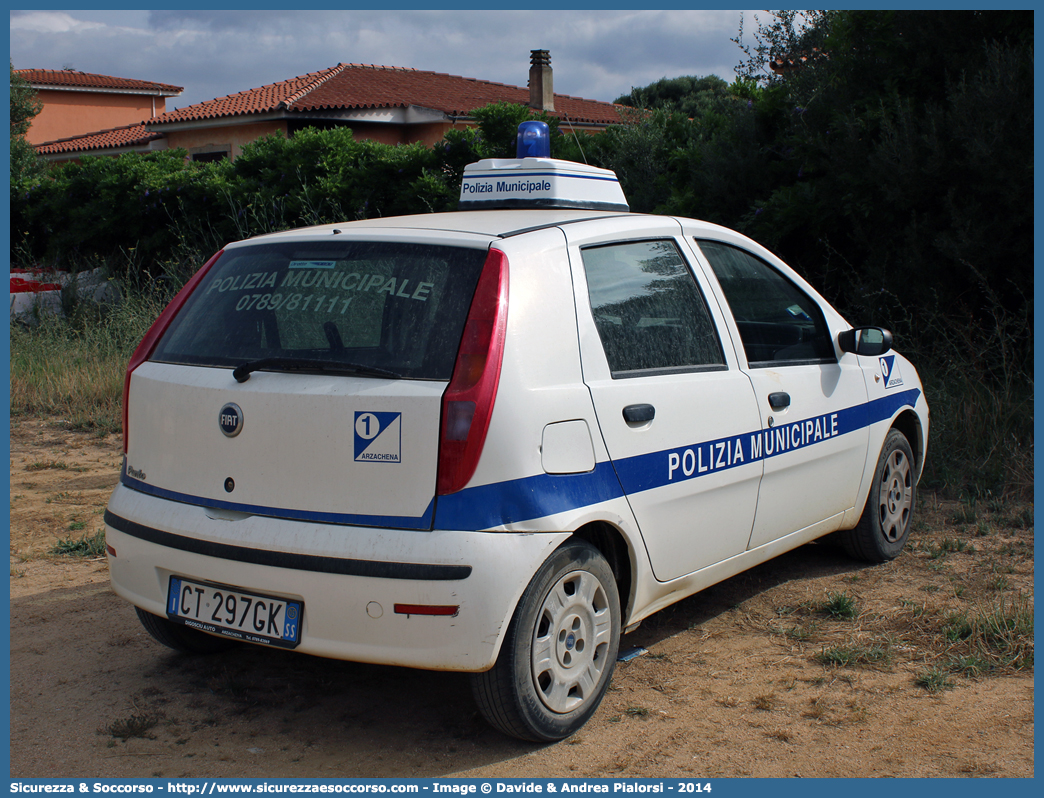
231	420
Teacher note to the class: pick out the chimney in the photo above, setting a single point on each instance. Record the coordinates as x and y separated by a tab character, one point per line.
541	81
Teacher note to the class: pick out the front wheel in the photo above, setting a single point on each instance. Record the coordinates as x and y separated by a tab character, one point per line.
885	524
560	649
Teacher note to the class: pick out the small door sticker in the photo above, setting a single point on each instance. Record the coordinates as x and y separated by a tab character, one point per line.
378	437
893	378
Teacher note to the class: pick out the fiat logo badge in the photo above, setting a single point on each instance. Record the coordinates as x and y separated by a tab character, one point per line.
230	419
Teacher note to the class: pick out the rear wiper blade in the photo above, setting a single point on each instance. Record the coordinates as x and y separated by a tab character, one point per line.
243	370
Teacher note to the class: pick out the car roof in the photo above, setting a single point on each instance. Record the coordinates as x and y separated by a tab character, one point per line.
493	223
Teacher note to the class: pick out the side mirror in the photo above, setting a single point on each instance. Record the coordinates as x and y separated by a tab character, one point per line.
870	341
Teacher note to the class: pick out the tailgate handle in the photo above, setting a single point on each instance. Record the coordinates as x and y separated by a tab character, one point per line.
779	400
638	414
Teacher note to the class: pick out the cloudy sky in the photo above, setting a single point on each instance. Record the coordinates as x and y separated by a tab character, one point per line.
597	54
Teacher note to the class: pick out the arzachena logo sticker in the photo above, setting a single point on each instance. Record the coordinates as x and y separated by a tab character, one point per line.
378	437
893	378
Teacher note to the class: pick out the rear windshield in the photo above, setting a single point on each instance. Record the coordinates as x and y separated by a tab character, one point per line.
391	306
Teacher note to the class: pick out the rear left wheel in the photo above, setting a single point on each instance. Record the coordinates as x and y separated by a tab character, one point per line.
559	652
182	638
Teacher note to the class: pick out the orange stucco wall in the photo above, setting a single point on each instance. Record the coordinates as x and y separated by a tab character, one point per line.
232	136
400	134
432	134
73	113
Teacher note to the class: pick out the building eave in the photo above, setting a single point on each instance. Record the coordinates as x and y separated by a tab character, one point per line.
99	90
386	115
154	126
72	155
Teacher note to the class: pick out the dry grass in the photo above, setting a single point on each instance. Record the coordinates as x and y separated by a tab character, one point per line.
74	369
138	725
765	703
971	617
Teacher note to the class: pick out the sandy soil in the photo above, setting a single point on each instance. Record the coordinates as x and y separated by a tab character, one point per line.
729	684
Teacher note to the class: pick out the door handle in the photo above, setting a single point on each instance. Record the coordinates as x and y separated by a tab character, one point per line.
638	414
779	400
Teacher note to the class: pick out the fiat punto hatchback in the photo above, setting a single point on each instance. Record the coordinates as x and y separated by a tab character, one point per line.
493	440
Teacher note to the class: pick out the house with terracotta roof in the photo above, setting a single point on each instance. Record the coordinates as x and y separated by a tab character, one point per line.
393	105
75	103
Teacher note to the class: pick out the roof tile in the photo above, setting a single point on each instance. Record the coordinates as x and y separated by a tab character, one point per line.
67	78
126	136
251	101
342	86
372	86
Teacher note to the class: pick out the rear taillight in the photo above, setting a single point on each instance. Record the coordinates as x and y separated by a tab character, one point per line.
467	404
148	343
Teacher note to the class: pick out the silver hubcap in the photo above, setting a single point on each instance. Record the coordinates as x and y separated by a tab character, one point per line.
896	496
571	641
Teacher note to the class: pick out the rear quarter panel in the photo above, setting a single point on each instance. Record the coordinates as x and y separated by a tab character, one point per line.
540	384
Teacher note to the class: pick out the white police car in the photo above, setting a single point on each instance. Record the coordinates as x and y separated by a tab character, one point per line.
491	440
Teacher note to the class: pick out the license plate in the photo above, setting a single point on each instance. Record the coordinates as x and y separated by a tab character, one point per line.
232	612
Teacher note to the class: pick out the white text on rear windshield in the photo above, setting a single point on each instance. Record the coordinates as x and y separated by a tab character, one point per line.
397	307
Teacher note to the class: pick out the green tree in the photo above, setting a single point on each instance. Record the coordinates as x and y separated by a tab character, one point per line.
887	156
790	39
688	95
899	175
912	122
24	106
494	137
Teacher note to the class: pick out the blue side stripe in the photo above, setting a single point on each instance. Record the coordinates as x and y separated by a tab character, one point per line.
500	503
888	406
516	500
388	521
519	500
656	469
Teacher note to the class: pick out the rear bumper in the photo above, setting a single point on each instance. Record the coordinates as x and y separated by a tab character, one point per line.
348	578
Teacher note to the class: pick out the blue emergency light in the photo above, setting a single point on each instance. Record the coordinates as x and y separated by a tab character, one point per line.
533	140
536	180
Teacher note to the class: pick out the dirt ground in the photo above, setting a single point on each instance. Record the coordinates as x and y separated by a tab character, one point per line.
732	681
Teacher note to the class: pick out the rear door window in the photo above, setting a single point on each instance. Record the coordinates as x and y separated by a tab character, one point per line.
398	307
649	312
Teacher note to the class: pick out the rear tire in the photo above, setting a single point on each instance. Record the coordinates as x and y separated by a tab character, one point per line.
182	638
559	652
885	524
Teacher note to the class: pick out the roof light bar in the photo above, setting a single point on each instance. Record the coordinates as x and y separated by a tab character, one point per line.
538	181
